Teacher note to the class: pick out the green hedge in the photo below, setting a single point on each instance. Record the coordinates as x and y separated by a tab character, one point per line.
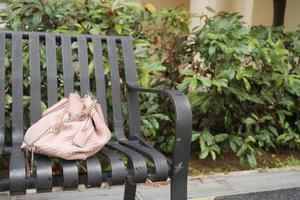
243	83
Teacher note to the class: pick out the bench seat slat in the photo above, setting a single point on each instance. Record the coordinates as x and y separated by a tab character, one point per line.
43	173
136	164
118	170
94	171
70	174
161	167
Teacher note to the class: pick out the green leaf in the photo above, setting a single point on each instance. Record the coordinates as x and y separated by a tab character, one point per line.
8	99
266	118
250	139
220	83
251	160
195	136
194	84
155	123
228	73
205	81
232	145
202	142
221	137
16	23
273	130
213	155
162	116
155	66
187	72
254	116
48	10
247	84
286	102
211	50
249	121
215	148
242	150
118	28
43	106
37	18
187	80
91	68
204	153
208	137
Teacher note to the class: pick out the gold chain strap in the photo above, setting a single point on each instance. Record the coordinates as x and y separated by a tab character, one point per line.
56	127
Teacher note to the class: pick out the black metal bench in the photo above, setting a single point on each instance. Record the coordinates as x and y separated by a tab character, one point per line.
132	146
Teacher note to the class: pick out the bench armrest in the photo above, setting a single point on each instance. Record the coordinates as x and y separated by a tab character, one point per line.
183	123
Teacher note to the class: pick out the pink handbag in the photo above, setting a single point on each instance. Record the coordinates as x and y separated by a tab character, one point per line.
73	129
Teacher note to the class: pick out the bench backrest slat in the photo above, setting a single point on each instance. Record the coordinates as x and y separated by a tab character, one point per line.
99	75
2	87
17	88
116	89
51	64
131	78
35	78
67	65
69	61
84	65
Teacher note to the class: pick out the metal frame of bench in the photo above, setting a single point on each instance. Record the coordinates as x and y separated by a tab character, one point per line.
133	146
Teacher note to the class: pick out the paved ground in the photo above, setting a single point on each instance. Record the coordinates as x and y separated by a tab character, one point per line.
284	194
276	184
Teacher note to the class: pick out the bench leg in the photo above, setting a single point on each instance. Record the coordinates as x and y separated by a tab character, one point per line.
129	193
178	189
